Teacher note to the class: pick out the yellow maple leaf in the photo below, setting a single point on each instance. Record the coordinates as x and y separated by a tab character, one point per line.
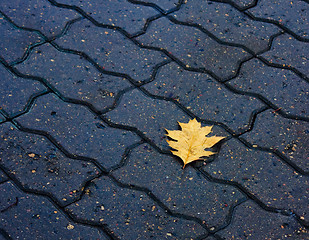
191	141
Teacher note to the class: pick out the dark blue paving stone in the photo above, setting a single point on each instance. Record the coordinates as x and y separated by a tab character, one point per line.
35	217
288	51
121	13
73	76
202	95
227	24
13	41
39	15
243	3
3	177
264	175
111	49
150	116
1	118
38	165
288	136
166	5
77	130
131	214
252	222
181	190
193	47
15	92
292	14
280	86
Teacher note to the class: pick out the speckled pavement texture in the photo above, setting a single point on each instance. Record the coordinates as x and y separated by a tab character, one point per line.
88	87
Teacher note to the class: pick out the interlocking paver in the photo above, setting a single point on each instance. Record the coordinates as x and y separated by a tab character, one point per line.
193	47
121	13
36	218
288	136
39	15
111	50
15	92
287	51
292	14
3	177
77	130
264	175
166	5
243	3
37	164
209	100
130	211
14	42
183	191
227	24
267	226
73	76
280	86
83	113
150	116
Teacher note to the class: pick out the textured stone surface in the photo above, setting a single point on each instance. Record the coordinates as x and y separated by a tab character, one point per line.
193	47
202	95
73	77
33	222
78	131
111	50
287	51
88	158
280	86
266	226
225	22
185	191
120	13
38	165
14	42
292	14
15	92
127	210
39	15
264	175
288	136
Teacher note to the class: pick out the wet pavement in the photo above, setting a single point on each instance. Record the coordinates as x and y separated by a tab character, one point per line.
87	89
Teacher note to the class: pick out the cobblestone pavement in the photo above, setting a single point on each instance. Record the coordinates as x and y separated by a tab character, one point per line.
87	89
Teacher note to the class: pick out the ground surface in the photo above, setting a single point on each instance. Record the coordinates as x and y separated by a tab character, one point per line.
87	89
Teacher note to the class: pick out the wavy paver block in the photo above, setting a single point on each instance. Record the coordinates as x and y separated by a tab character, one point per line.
287	51
130	213
193	47
264	175
166	5
280	86
14	42
292	14
183	191
243	3
73	77
77	130
111	50
39	15
251	222
15	92
290	137
225	22
39	165
202	95
150	116
36	218
121	13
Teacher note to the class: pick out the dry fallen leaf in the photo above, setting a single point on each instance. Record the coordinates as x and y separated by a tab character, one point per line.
191	141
